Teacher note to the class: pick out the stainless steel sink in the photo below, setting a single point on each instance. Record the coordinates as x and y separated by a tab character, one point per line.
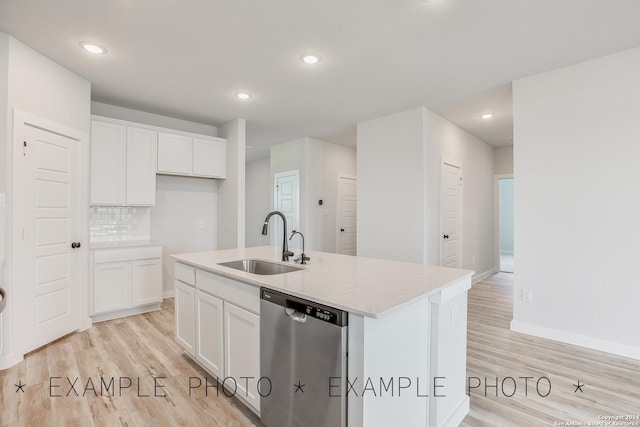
258	266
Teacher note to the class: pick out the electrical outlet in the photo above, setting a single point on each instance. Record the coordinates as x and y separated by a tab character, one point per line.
201	225
527	295
473	260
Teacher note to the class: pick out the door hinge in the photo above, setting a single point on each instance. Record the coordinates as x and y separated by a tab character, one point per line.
24	148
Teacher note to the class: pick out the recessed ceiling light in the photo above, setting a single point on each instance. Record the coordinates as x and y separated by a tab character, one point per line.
310	59
486	116
93	48
243	95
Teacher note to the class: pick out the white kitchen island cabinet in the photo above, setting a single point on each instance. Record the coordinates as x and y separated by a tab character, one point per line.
218	324
407	329
209	324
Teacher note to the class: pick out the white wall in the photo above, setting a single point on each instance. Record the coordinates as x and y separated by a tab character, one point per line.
448	141
503	160
4	104
231	191
577	206
324	162
35	84
259	203
181	204
319	163
137	116
391	193
399	158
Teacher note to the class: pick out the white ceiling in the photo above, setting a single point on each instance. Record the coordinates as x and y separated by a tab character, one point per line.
187	59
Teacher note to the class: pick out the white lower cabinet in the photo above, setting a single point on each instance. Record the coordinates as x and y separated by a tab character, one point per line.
218	324
185	302
146	275
209	329
126	281
111	285
242	347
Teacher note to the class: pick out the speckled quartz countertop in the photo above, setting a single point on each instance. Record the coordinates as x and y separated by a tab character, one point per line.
366	286
123	244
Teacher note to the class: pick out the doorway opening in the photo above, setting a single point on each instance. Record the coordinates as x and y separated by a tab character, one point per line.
505	239
286	200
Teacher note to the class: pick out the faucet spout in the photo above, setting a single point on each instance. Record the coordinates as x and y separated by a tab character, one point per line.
285	248
303	257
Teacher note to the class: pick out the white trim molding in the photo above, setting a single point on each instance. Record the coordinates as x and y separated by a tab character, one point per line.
624	350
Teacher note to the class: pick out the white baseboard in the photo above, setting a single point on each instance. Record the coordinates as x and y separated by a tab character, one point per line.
612	347
169	294
480	277
124	313
458	414
9	360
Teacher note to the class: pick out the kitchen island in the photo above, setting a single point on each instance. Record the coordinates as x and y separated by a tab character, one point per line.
406	333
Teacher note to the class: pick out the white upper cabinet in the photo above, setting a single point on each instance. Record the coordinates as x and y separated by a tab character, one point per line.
107	163
209	158
141	166
175	153
123	164
191	155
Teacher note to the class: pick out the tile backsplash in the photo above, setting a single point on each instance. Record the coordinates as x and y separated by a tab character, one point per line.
110	224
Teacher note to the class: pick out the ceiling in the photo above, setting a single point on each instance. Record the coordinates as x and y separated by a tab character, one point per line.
187	59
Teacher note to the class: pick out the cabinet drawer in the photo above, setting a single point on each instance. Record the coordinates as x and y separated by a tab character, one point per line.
129	254
238	293
185	273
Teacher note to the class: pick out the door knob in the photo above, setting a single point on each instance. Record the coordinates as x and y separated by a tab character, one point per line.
75	245
342	229
446	236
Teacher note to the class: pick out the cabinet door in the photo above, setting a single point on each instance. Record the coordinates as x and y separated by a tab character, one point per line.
107	163
146	282
209	158
141	166
111	286
209	332
242	351
185	317
174	153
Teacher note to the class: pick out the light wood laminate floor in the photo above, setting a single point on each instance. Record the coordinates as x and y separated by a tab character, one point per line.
142	347
611	383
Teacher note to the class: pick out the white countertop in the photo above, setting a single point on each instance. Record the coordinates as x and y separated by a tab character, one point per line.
366	286
123	244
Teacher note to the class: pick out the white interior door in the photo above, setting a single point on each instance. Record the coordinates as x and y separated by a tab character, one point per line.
347	215
47	172
450	215
287	201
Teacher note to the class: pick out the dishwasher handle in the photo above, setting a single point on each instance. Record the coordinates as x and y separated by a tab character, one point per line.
296	315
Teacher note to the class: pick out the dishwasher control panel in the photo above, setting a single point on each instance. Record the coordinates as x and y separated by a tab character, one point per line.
317	311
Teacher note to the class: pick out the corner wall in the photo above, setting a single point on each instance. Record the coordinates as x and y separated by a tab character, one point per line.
231	191
577	206
399	163
258	181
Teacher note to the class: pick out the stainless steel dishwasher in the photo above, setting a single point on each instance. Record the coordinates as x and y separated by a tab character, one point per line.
303	354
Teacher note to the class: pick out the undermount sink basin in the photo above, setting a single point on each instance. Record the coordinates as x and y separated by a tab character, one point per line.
258	266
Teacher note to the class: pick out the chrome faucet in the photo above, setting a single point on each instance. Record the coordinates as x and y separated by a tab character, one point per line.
285	249
303	257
